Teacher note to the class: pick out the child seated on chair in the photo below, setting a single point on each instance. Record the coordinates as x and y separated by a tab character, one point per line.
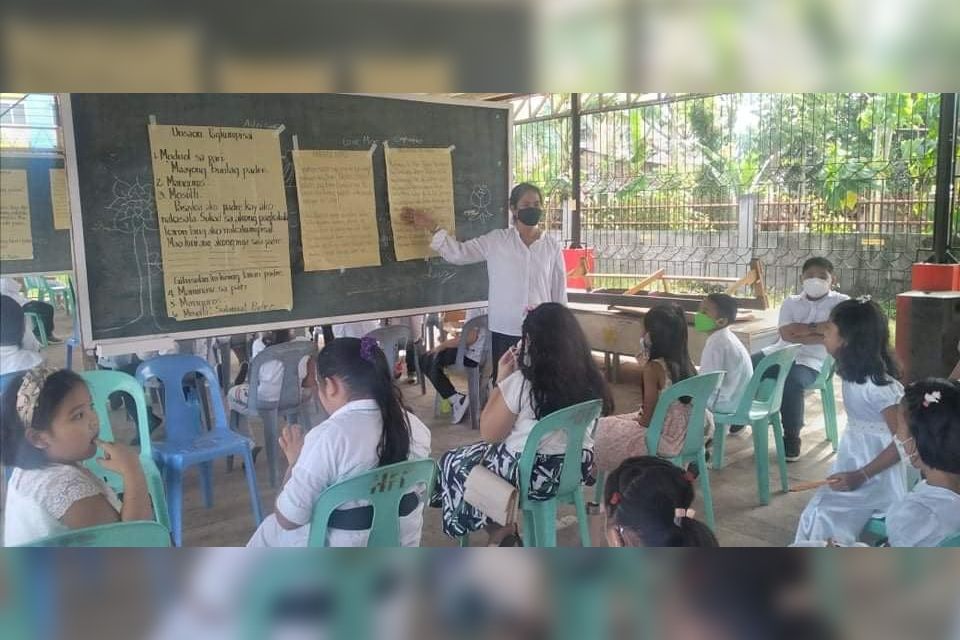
444	354
929	439
665	361
647	503
19	350
45	311
49	428
271	374
867	475
368	427
723	351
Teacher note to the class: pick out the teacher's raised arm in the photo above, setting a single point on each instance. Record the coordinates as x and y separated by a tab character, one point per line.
524	264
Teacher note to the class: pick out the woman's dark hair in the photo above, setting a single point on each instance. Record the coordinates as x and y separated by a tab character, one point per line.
561	370
726	305
642	496
934	422
522	189
866	352
11	322
279	336
666	325
370	378
16	450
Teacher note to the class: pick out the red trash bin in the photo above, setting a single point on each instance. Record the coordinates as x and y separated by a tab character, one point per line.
936	277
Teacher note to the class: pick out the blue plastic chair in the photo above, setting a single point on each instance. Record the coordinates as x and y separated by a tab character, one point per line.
289	354
476	388
102	384
760	407
188	443
383	488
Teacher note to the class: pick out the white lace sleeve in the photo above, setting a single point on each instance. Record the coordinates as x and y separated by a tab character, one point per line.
59	486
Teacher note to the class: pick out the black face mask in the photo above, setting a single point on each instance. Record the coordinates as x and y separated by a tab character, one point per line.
530	216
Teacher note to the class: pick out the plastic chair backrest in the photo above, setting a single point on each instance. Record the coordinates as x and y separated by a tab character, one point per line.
391	339
118	534
480	323
383	488
180	419
768	394
289	354
699	389
827	369
951	541
574	421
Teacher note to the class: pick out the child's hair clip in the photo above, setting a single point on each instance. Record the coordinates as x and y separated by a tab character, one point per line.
931	398
865	298
680	514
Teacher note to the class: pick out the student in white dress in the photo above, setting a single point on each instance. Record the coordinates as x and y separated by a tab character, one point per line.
929	438
368	428
49	429
867	475
18	348
723	351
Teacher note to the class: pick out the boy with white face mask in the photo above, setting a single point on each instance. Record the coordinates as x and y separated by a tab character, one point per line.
802	321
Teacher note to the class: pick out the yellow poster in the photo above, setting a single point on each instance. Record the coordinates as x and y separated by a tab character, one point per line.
16	238
419	179
60	199
223	220
338	210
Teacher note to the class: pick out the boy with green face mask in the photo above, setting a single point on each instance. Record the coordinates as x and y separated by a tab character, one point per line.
723	351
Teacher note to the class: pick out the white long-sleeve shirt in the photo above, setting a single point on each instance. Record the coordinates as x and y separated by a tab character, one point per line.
519	276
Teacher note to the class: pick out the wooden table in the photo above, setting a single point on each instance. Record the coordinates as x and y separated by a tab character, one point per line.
617	332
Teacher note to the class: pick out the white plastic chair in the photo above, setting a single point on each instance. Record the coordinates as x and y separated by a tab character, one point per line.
477	388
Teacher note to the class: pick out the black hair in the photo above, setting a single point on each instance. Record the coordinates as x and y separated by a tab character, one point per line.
726	305
866	352
373	378
11	322
561	370
666	324
279	336
16	450
522	189
935	427
642	496
817	261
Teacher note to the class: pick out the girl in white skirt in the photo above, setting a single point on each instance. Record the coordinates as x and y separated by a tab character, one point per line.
868	475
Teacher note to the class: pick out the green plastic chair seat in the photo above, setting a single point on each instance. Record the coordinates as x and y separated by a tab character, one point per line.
824	384
382	488
760	408
118	534
38	327
952	541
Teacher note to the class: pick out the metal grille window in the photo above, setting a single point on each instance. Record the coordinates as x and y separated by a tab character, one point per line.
29	121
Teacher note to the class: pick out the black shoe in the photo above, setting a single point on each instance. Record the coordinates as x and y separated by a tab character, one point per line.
54	340
791	447
737	428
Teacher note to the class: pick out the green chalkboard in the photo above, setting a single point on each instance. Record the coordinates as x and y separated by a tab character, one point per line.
121	280
51	247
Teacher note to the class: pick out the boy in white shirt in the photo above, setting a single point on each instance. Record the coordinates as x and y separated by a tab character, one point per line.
444	355
723	351
802	321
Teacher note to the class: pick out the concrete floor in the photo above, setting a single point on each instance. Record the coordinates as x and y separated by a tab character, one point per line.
741	521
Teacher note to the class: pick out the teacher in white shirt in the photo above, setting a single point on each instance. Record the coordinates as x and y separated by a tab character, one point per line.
524	265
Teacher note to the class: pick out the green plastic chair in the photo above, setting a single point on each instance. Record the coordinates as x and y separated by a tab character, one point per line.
140	534
38	328
699	389
824	384
760	407
102	384
383	488
951	541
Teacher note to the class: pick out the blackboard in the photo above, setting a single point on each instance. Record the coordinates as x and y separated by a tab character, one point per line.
120	276
51	247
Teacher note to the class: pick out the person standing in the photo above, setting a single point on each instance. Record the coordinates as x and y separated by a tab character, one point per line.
524	265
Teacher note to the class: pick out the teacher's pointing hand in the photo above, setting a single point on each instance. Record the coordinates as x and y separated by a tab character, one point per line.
418	218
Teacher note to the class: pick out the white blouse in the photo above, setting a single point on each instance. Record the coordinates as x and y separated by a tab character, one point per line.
925	517
516	392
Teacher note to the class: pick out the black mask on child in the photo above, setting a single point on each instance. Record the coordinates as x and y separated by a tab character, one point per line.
530	216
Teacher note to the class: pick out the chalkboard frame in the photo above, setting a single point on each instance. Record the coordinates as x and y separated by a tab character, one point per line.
162	340
55	157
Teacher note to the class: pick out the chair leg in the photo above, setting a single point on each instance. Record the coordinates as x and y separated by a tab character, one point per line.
206	483
543	518
465	541
270	443
173	485
781	451
473	378
69	357
582	520
705	491
251	475
598	490
719	441
829	401
761	456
